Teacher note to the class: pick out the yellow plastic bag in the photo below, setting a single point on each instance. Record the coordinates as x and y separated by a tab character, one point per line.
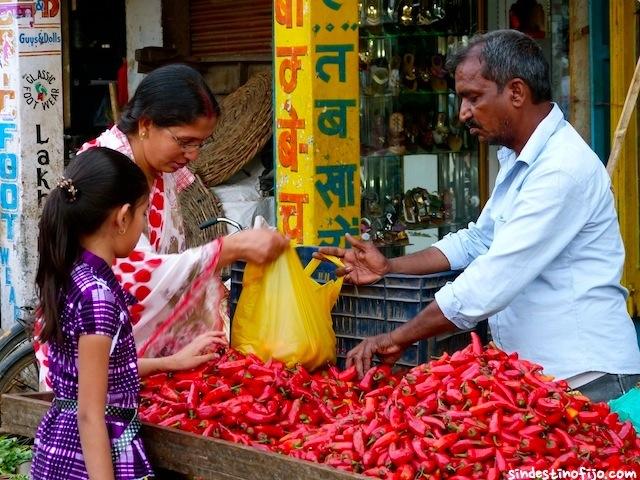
282	313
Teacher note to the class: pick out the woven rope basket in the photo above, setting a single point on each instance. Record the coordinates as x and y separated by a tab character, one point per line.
197	204
244	127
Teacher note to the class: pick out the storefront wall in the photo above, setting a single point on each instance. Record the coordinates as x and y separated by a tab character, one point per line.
624	53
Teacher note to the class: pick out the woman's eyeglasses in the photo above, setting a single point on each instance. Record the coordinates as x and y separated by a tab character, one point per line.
185	146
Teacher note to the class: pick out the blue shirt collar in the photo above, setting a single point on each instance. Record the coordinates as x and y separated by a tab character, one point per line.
537	140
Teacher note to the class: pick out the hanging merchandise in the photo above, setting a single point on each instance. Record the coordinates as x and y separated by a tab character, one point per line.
285	314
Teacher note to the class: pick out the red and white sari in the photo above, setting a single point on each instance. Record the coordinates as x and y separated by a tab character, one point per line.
179	293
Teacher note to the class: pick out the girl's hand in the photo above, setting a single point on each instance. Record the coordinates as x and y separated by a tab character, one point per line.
198	351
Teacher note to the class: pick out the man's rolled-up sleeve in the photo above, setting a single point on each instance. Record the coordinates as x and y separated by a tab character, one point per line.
464	246
548	213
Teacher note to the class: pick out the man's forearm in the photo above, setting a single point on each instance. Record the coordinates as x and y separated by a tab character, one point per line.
428	323
429	260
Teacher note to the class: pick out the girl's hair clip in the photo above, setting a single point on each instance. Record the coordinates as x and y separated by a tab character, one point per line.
70	191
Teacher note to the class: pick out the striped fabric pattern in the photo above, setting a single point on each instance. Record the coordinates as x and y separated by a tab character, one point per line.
94	304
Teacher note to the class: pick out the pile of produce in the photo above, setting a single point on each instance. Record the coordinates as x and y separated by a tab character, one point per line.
473	414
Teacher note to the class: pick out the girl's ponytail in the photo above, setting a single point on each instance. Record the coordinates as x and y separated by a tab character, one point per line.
96	182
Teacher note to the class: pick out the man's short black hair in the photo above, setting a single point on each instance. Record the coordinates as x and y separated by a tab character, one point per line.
505	55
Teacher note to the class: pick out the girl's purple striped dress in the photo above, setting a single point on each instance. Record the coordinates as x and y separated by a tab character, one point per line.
94	303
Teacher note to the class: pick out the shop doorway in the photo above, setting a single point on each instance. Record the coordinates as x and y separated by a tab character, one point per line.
95	38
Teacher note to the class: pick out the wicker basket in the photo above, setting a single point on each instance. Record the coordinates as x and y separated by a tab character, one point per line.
244	128
197	204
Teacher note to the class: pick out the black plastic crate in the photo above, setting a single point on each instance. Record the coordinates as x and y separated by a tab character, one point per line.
366	310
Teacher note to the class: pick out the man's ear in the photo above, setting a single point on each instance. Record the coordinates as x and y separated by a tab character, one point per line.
518	92
122	218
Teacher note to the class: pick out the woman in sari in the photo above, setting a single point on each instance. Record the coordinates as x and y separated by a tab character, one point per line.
179	291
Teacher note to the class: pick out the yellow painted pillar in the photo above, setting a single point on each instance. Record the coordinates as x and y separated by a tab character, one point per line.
316	131
624	54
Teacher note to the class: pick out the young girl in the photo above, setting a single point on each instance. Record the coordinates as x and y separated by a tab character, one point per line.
95	215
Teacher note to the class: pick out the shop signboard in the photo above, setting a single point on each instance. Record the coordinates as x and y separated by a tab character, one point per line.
316	130
31	142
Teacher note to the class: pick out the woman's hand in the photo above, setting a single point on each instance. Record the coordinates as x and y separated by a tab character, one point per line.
259	245
363	263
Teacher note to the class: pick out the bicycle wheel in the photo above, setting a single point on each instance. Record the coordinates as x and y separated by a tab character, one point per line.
11	339
19	371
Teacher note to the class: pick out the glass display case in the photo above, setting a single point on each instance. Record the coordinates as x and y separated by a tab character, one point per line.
419	164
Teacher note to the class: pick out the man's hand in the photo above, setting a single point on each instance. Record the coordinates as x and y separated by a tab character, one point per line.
363	263
381	345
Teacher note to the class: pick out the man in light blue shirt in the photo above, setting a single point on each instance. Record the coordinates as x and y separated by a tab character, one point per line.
544	260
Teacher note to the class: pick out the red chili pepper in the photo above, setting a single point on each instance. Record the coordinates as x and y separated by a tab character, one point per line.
481	454
433	422
232	366
469	372
565	460
258	370
169	393
182	385
194	374
501	463
193	399
370	407
358	442
235	401
405	472
154	381
462	446
379	472
453	396
367	381
533	445
219	393
442	460
589	417
260	418
317	439
227	434
415	424
495	422
174	421
349	374
484	408
428	386
385	440
625	430
531	431
457	414
549	404
493	474
209	430
396	418
383	391
476	344
445	441
208	411
442	370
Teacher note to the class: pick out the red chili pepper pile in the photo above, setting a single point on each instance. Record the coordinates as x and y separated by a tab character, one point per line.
472	414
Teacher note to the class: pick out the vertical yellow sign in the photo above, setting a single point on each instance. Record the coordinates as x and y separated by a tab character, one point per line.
316	127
